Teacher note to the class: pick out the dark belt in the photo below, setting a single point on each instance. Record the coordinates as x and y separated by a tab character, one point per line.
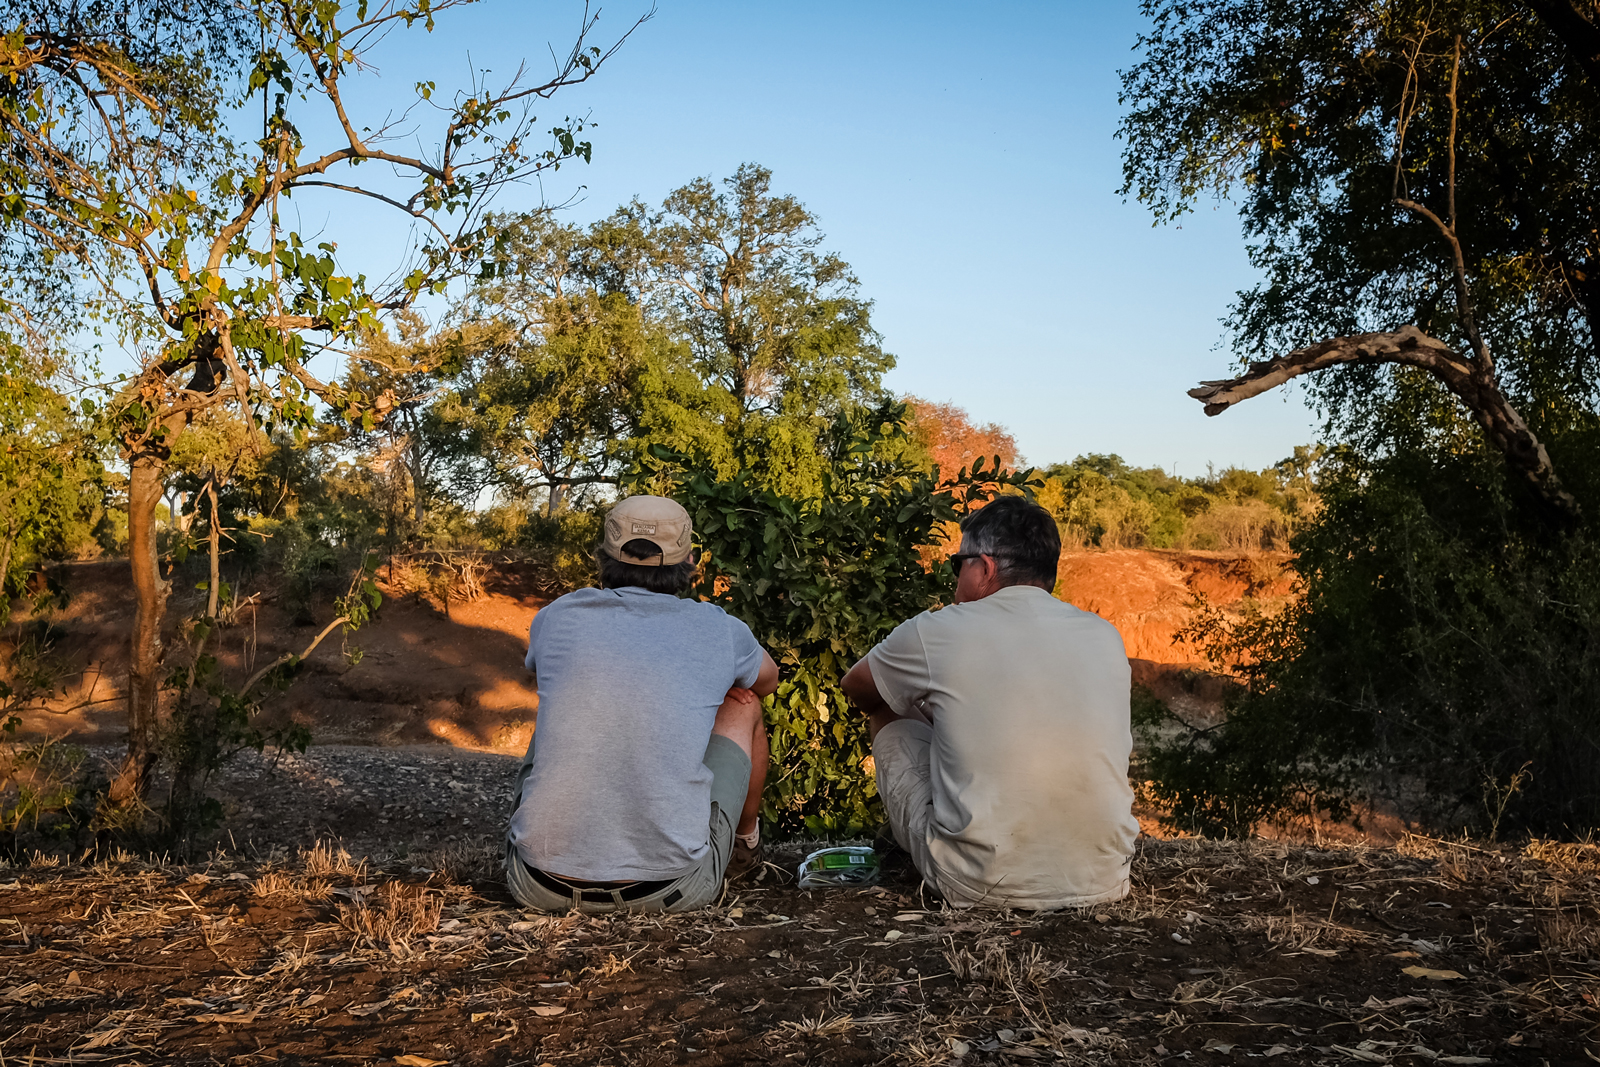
593	893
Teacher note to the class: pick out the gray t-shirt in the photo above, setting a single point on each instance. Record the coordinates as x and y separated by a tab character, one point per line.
629	685
1029	763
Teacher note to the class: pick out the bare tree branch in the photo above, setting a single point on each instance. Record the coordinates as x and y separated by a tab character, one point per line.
1408	346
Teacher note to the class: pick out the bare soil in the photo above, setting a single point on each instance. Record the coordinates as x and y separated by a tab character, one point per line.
1226	952
426	670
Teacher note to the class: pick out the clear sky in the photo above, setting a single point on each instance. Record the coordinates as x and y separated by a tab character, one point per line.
960	156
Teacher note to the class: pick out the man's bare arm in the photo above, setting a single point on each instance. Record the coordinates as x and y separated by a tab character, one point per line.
861	689
767	680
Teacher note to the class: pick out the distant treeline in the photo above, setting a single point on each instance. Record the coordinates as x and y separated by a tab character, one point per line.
1100	501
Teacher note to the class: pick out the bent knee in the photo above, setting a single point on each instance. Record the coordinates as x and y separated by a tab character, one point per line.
739	717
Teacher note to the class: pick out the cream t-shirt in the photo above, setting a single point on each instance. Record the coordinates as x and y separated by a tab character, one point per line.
1028	697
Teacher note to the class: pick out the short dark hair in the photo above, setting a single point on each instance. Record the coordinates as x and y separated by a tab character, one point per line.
615	574
1020	535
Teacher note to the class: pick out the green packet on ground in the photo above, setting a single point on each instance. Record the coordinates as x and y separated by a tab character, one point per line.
850	865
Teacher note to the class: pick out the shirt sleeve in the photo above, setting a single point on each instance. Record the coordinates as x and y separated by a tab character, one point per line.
533	636
746	655
900	668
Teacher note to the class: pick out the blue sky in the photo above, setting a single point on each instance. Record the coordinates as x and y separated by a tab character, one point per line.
960	156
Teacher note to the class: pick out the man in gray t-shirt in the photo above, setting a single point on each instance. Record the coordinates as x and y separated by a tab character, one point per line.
1000	728
642	785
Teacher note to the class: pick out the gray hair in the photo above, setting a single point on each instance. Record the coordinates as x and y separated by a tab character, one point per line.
1020	535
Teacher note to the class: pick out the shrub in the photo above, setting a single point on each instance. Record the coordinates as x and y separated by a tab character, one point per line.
1444	660
820	580
44	785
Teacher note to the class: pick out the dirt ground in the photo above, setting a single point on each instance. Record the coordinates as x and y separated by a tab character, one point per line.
1225	952
425	671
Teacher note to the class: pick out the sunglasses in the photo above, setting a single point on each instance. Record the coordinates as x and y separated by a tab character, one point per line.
959	559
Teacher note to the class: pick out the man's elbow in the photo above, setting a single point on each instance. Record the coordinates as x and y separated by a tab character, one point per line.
860	688
767	680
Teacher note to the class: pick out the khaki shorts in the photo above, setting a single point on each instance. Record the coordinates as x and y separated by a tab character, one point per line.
695	888
901	755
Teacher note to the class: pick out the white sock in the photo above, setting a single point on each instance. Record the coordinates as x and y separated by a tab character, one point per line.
751	839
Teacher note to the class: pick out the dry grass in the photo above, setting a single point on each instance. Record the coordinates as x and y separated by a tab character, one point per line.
393	918
1224	951
465	862
325	859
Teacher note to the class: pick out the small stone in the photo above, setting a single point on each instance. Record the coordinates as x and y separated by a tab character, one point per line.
74	978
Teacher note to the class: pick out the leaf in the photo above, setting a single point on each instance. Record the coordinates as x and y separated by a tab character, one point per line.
549	1009
1430	973
413	1060
102	1039
1395	1002
361	1011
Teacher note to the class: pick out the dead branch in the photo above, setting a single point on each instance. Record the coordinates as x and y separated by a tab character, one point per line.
1472	382
289	656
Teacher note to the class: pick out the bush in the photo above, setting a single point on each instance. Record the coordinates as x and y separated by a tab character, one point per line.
820	580
44	785
1444	661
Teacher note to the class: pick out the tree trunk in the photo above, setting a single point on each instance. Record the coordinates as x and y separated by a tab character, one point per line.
414	468
214	544
149	609
1471	382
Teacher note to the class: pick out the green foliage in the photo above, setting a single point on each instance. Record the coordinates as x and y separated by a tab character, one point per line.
1099	500
565	376
1293	107
44	786
820	580
556	551
50	467
1446	644
215	717
714	327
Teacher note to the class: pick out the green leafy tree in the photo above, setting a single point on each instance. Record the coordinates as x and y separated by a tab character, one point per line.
820	579
119	166
50	468
1417	179
773	322
714	326
1418	183
569	375
407	372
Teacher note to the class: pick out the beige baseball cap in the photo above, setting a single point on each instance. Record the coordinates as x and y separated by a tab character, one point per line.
662	522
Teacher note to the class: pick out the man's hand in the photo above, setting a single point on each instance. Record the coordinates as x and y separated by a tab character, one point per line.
741	695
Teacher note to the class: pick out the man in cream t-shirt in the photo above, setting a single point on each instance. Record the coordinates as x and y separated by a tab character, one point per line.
1000	728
